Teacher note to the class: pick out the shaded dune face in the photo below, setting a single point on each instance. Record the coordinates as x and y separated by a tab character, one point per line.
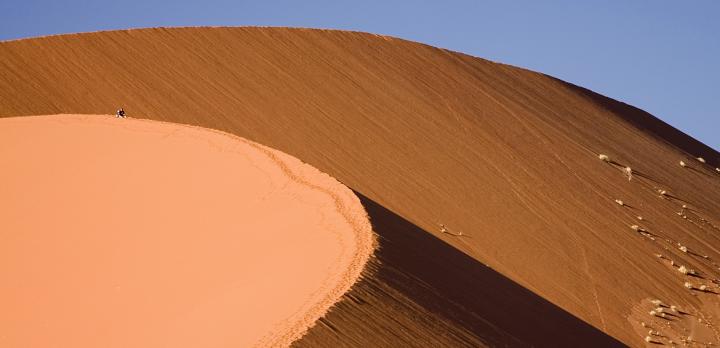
505	155
135	233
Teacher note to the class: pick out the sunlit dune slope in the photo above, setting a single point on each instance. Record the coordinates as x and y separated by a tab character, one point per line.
136	233
505	156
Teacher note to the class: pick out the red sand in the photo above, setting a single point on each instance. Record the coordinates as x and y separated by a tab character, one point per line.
135	233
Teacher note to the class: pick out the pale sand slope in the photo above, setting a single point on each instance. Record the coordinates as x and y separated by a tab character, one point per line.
136	233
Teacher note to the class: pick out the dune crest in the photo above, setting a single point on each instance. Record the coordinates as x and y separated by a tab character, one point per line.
429	137
128	232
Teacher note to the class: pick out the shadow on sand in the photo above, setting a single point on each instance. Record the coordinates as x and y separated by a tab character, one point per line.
439	296
701	172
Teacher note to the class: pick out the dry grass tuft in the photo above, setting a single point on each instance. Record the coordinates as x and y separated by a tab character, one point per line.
628	172
444	229
684	270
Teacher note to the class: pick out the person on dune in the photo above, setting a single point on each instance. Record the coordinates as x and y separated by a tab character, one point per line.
120	113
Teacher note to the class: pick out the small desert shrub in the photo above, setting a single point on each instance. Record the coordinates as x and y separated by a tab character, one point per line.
628	172
683	164
688	285
684	270
703	287
620	202
649	339
683	248
637	228
444	229
701	160
604	158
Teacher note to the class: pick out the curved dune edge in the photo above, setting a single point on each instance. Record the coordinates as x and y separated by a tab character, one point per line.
345	203
349	206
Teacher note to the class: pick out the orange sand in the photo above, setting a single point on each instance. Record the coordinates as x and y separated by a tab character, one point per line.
135	233
427	136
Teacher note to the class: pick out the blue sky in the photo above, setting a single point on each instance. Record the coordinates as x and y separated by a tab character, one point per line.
660	55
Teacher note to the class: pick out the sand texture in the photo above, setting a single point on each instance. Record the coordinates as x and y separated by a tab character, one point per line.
504	156
136	233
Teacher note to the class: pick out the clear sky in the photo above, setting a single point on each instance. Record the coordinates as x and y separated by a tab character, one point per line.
660	55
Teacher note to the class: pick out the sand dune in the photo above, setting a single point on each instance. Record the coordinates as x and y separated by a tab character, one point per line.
428	136
133	233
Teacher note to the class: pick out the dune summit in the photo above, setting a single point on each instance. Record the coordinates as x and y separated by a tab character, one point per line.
429	137
136	233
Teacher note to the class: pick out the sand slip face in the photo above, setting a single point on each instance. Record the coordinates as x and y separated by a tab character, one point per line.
134	233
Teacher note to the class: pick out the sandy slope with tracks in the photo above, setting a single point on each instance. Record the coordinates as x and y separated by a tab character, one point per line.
427	136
